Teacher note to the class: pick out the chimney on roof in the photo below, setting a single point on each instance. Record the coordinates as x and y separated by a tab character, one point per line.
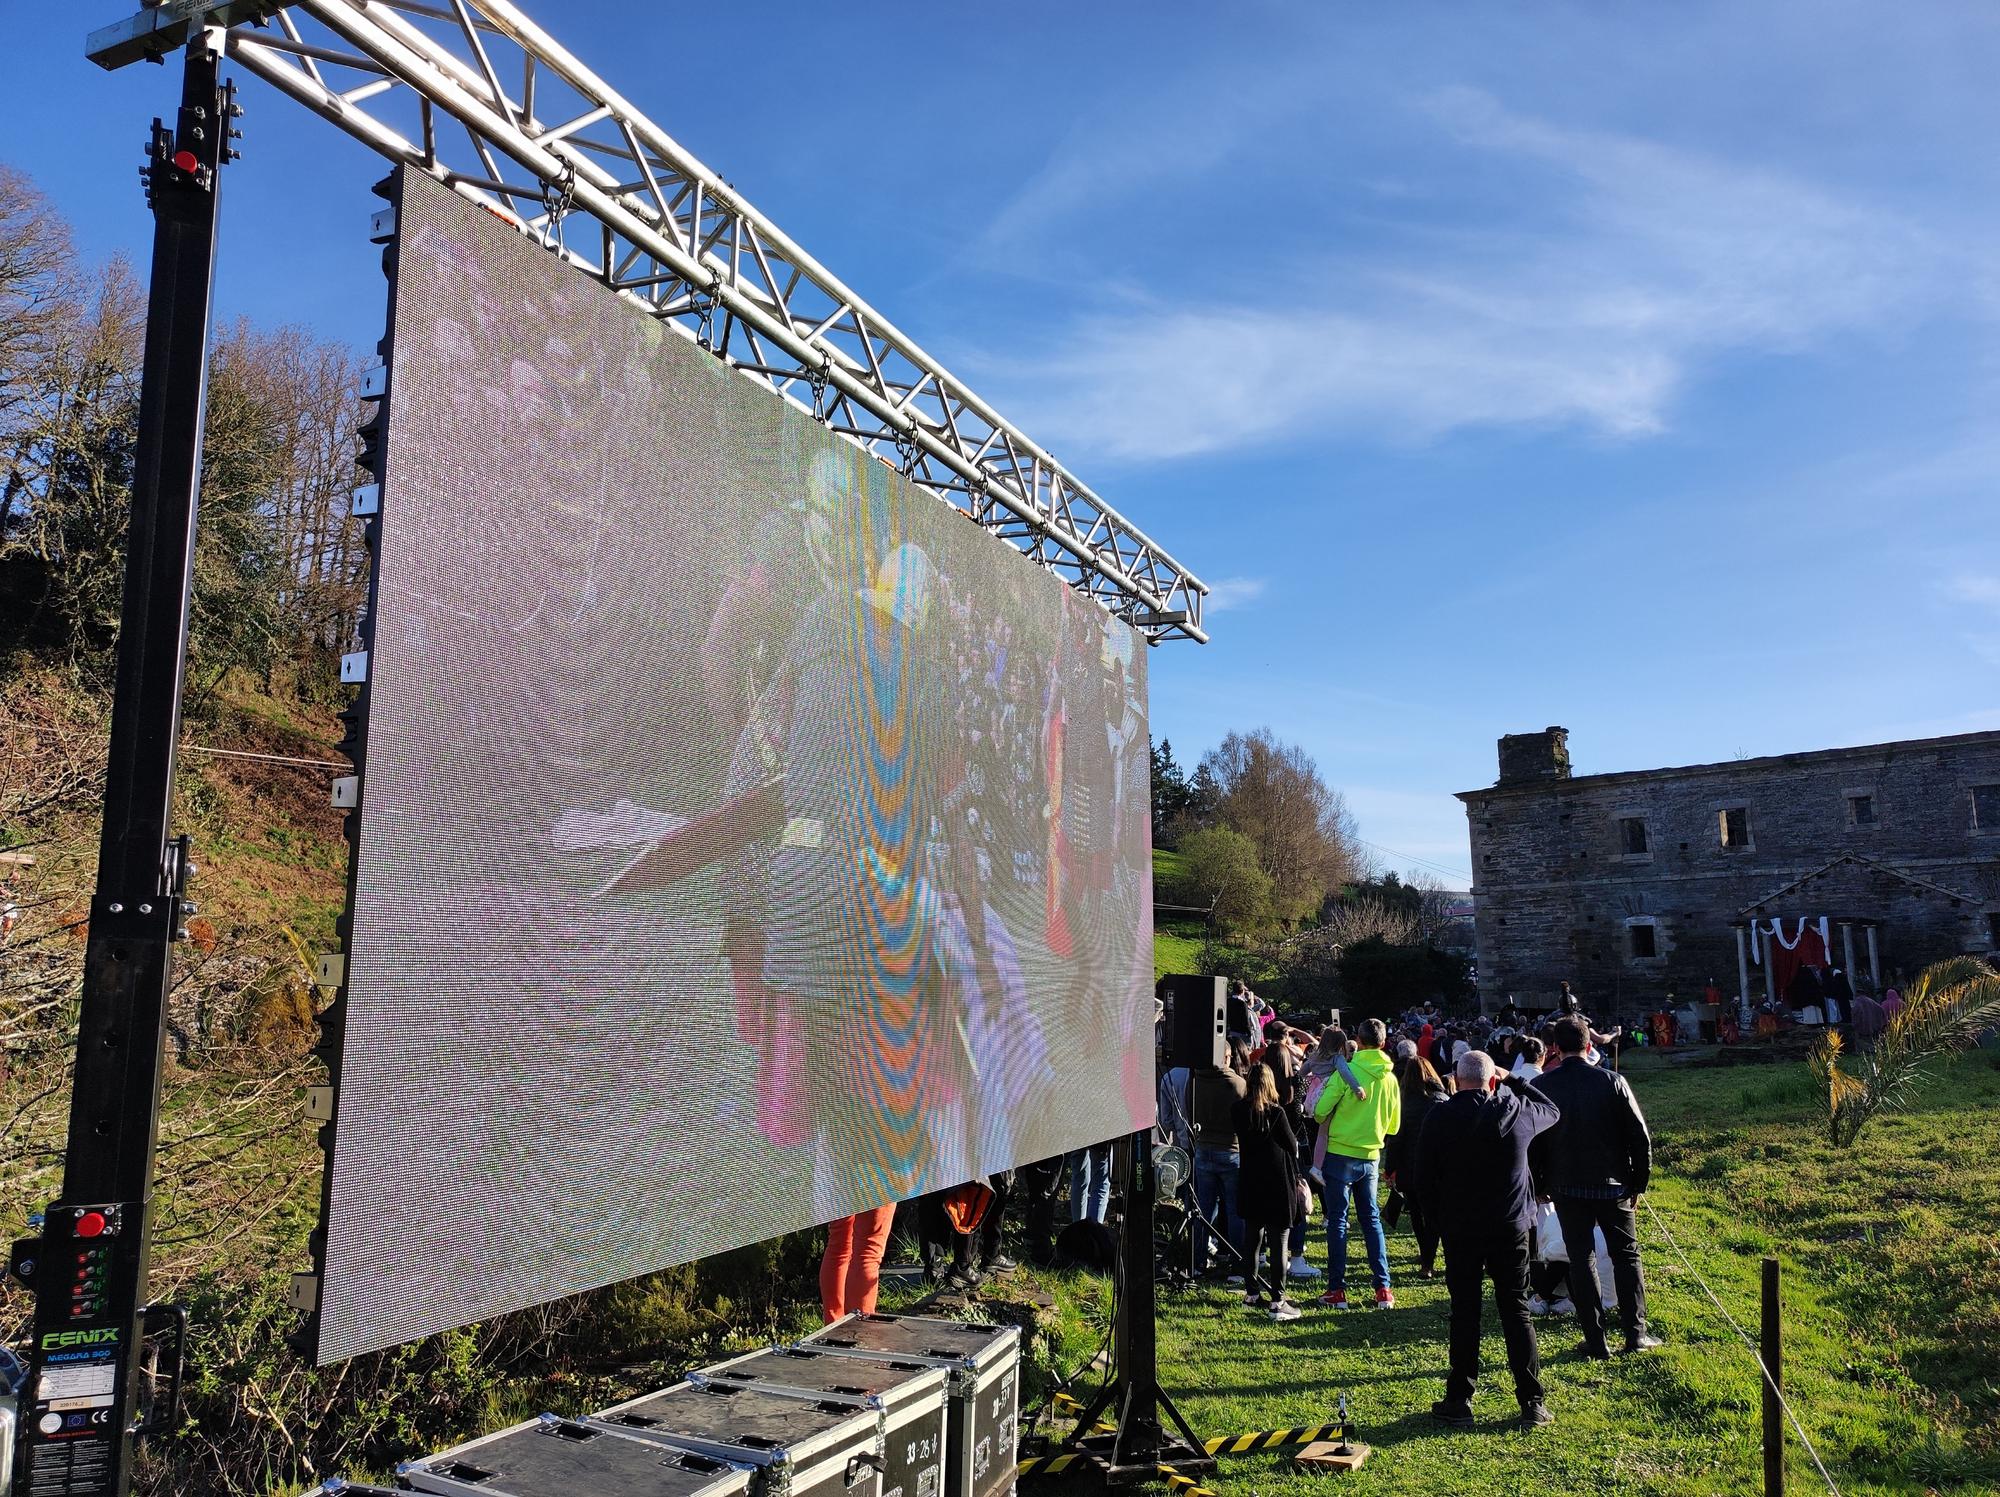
1534	756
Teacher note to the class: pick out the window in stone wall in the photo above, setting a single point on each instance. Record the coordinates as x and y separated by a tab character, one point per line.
1632	839
1642	941
1986	808
1733	825
1861	808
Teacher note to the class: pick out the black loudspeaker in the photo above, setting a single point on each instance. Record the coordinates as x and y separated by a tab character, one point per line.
1197	1022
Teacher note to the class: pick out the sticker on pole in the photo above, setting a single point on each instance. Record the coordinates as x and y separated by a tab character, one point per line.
86	1381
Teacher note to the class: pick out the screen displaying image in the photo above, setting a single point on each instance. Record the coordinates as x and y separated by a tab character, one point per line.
747	837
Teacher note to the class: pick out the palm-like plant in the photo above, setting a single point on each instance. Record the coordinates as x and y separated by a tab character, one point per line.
1948	1007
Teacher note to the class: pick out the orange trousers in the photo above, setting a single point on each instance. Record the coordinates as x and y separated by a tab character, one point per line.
851	1272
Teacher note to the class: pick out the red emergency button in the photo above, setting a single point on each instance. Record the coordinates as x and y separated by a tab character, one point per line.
187	161
90	1224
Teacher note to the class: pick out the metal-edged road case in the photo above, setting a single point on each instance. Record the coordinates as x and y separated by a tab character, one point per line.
551	1457
795	1447
982	1428
910	1396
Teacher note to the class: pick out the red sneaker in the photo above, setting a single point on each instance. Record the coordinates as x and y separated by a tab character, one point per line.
1334	1299
1385	1299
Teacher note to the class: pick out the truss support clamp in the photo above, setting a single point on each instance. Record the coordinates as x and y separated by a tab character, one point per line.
160	29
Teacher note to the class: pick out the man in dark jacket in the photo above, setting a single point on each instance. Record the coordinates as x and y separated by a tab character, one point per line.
1595	1165
1473	1178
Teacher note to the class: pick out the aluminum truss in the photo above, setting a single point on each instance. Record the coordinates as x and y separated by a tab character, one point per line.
476	94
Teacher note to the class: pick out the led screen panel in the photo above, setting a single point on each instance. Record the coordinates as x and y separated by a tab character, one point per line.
747	838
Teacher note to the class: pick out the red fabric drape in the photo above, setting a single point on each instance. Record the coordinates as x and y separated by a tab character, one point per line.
1808	951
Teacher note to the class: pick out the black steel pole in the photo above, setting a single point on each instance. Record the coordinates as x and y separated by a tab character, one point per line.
78	1409
1772	1349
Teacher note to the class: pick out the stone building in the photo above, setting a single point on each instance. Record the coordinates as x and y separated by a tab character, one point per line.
1634	885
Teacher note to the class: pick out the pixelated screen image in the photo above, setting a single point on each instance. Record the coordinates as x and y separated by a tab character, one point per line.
747	838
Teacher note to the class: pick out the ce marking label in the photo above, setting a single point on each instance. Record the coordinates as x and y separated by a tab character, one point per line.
102	1416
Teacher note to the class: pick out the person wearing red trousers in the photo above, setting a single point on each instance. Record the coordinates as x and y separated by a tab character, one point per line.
851	1272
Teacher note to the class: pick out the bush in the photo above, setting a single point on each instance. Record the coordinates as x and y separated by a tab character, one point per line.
1378	980
1220	959
1222	871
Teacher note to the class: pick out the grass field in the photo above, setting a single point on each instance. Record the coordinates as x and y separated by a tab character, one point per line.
1891	1292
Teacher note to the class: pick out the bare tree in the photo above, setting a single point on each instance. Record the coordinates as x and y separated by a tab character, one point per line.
1368	918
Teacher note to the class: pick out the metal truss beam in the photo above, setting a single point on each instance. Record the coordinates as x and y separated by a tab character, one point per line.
481	98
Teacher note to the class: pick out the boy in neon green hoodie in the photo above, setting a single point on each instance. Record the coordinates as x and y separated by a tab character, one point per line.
1355	1129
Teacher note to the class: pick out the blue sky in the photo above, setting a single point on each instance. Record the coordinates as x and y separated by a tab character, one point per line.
1630	368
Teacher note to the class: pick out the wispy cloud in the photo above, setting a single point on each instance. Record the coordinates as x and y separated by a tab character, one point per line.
1233	592
1977	590
1625	267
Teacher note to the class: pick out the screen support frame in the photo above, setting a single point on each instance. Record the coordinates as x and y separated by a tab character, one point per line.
89	1268
1151	1432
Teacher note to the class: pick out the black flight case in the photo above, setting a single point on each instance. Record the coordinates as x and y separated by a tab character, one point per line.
982	1427
794	1447
910	1396
551	1457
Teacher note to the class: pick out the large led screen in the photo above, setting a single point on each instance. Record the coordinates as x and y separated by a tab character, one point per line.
747	838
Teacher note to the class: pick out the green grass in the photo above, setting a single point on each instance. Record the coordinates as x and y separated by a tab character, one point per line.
1177	941
1177	946
1892	1359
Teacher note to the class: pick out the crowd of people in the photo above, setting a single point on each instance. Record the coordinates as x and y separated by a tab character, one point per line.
1512	1144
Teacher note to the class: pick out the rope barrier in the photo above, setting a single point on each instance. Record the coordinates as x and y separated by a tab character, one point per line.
198	748
1744	1336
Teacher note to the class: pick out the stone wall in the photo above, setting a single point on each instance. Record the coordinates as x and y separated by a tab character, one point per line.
1558	884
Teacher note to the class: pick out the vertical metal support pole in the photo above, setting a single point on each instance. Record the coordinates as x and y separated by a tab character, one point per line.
79	1409
1771	1347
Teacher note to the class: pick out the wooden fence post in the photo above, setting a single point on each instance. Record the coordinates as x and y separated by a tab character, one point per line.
1774	1413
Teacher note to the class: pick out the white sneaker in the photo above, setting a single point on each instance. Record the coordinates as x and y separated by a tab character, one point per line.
1284	1311
1537	1305
1563	1307
1300	1269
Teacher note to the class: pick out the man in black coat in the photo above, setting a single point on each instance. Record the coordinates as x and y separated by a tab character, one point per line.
1595	1165
1473	1177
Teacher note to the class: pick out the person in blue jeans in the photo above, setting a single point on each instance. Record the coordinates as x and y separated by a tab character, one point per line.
1212	1096
1355	1131
1090	1183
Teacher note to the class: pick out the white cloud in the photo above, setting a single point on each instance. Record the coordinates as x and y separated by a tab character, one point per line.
1640	263
1974	590
1978	592
1233	592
